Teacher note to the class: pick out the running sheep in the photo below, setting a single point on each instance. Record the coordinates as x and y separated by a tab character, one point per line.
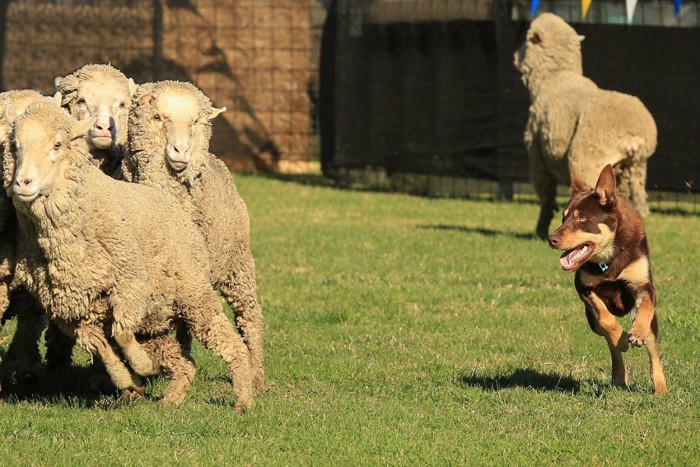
23	350
169	133
572	121
110	258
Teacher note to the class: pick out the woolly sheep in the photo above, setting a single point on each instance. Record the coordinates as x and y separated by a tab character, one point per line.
102	92
572	121
99	265
12	103
169	133
24	348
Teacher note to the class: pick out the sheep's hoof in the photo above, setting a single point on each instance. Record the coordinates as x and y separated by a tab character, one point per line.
168	401
258	385
244	404
133	395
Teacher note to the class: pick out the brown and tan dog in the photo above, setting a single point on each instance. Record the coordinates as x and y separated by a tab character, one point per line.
605	243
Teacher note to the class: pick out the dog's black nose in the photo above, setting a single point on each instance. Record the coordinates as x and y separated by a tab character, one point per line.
553	241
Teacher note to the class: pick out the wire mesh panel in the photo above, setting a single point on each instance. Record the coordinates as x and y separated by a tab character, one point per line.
428	88
255	57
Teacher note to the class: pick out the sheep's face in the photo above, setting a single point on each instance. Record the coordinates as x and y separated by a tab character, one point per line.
41	154
175	116
108	103
550	46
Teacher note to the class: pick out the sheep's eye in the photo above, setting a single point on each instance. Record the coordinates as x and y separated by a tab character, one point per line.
156	117
122	105
57	146
81	101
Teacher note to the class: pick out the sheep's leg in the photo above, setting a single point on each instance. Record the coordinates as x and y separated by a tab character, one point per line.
59	348
212	328
135	354
93	339
240	294
31	320
637	186
127	316
168	355
184	337
546	188
544	182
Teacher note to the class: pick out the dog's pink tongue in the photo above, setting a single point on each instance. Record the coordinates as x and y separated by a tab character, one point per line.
568	259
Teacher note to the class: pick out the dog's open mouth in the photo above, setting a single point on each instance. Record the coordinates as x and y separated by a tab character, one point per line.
572	259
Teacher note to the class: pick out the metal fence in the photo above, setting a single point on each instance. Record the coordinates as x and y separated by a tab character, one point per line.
422	96
259	58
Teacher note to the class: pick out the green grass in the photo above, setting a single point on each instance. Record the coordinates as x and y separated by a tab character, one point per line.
401	330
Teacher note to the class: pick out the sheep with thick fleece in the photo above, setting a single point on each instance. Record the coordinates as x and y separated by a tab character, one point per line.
169	133
105	256
12	103
102	92
572	121
24	348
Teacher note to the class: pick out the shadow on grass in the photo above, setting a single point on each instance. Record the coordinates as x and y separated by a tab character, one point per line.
67	387
481	231
522	378
303	179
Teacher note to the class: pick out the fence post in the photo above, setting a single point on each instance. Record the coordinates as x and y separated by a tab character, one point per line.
157	40
4	5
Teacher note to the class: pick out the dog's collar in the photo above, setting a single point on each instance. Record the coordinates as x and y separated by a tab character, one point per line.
603	266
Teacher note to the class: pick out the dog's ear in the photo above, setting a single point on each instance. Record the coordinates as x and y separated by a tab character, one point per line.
577	185
605	188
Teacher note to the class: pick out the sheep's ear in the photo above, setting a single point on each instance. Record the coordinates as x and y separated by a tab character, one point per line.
143	93
81	127
537	36
577	185
605	188
581	38
132	86
58	98
214	112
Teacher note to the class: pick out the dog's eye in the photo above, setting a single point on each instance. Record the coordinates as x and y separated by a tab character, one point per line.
582	219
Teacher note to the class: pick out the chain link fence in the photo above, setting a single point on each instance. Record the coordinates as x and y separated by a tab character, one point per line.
422	95
259	58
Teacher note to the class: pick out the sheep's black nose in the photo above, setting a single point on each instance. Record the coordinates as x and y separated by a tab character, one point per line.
553	241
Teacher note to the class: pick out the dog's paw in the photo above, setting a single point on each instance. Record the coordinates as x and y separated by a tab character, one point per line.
636	339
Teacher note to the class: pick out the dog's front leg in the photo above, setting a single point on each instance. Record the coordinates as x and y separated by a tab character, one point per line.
645	331
605	324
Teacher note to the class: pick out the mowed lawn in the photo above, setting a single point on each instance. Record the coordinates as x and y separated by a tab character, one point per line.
400	330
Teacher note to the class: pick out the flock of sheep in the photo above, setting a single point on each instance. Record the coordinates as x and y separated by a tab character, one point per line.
120	226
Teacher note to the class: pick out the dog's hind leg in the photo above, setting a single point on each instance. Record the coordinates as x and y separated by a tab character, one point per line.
605	324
